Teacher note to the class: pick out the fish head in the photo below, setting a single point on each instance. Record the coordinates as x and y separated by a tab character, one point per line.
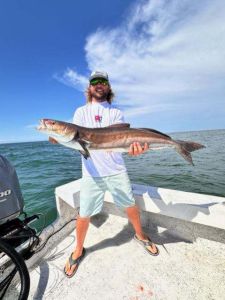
59	130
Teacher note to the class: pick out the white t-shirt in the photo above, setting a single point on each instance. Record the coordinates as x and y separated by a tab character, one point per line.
101	163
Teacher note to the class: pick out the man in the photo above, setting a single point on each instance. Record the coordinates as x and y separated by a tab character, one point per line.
104	170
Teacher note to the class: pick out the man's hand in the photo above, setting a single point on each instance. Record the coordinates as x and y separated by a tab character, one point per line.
53	141
137	149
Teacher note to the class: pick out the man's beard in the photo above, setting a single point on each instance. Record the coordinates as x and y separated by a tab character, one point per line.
99	96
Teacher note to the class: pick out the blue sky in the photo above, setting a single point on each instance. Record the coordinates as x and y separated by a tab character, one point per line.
166	61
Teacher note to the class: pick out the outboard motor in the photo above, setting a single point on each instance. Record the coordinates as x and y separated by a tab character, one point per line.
14	230
11	199
17	239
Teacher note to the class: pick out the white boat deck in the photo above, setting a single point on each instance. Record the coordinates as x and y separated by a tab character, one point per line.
191	264
116	267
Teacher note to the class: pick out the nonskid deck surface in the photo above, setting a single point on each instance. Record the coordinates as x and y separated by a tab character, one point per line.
116	267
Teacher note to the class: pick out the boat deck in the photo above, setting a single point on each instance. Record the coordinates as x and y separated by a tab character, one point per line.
116	267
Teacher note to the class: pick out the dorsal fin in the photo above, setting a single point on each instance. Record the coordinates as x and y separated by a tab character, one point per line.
126	125
155	131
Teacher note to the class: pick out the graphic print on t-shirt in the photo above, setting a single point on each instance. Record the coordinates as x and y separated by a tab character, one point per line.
98	118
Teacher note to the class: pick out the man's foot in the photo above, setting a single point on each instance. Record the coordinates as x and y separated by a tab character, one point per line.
72	264
146	242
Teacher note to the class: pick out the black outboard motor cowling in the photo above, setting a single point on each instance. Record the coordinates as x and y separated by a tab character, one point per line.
11	199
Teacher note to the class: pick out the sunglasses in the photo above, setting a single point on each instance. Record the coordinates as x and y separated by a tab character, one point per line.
99	80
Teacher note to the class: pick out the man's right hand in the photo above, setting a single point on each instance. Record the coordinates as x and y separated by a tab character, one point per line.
137	149
53	141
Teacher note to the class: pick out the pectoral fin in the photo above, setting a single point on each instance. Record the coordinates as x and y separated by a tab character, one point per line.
85	154
85	151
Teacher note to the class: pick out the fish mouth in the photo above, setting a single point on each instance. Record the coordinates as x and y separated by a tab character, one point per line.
41	125
45	124
49	126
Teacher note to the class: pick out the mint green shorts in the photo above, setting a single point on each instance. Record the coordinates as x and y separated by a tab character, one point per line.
93	189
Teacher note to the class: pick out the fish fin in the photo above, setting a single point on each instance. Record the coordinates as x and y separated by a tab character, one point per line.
85	151
184	148
83	145
190	146
156	131
126	125
85	154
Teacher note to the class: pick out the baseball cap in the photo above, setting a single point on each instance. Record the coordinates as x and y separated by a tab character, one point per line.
98	74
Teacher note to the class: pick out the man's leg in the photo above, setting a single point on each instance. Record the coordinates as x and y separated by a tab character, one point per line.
134	217
81	231
120	187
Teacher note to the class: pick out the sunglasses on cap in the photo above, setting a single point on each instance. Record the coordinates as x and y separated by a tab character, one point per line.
99	80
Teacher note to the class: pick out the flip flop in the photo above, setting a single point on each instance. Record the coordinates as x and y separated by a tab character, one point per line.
73	262
145	244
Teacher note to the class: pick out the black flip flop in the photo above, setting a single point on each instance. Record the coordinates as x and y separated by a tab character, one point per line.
145	244
73	262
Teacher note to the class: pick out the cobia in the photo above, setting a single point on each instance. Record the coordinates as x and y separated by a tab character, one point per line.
117	137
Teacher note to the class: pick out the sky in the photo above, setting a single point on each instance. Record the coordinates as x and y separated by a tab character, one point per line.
165	60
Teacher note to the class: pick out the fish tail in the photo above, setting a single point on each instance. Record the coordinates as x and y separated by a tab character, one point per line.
184	148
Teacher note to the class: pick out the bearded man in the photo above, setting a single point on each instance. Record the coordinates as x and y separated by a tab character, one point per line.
103	170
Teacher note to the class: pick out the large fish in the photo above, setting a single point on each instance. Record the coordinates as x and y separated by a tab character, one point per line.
117	137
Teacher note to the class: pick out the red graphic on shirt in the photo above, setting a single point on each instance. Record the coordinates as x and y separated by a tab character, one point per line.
98	118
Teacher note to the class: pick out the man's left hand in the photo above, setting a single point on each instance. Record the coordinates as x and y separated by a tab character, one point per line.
137	149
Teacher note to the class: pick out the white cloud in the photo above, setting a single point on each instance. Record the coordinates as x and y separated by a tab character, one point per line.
164	53
72	78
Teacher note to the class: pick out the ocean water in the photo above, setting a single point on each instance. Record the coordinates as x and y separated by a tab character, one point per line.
42	166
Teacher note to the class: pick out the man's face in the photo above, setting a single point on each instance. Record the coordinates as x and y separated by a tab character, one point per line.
99	89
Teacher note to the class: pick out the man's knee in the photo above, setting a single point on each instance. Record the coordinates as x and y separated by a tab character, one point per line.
83	218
